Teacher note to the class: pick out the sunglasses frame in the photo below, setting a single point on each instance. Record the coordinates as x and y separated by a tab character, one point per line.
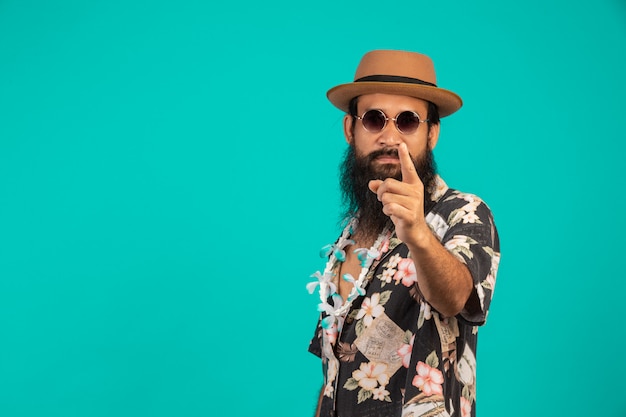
395	120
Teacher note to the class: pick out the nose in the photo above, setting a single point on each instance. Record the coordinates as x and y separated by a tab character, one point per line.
389	136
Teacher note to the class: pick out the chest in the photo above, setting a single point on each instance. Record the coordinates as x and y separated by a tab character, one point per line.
352	266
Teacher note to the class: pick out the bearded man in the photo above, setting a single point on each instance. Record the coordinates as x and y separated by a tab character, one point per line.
411	278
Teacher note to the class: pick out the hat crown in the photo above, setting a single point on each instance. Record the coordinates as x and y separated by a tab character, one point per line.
397	63
399	73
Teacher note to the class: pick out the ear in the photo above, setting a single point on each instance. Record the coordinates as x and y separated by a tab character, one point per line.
433	135
347	129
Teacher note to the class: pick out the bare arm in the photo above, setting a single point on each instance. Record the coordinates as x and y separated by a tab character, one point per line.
444	281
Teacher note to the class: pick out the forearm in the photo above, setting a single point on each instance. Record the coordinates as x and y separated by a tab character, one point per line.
444	281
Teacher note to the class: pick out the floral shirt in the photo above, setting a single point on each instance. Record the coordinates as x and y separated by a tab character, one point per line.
392	354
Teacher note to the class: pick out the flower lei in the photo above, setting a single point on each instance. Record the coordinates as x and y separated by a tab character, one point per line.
336	253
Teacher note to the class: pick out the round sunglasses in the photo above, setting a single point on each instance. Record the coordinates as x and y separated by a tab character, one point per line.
375	120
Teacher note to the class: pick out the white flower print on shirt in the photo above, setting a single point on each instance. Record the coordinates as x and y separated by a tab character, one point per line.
370	309
387	275
372	379
467	213
393	261
460	244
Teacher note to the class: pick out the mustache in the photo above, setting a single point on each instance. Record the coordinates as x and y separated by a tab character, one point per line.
383	152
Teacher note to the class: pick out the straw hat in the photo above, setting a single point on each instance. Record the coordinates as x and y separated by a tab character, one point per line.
396	72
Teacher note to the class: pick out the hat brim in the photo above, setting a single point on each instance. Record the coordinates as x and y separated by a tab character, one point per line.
446	101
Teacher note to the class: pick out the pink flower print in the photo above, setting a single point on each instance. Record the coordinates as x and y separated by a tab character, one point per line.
370	374
405	352
406	272
466	407
370	309
429	380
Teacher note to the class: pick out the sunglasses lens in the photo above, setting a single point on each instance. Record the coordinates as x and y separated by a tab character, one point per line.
407	122
374	121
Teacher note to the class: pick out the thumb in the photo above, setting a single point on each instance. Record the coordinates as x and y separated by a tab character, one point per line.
374	184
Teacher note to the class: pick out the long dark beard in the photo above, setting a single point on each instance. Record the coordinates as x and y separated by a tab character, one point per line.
357	171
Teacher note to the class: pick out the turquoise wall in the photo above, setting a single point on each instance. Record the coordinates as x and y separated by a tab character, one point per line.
168	175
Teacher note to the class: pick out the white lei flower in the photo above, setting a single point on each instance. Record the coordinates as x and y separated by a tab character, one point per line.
328	289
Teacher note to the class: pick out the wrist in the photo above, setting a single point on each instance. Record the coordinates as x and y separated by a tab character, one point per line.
421	238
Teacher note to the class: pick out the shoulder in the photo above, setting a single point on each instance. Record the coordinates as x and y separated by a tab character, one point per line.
446	199
455	206
460	213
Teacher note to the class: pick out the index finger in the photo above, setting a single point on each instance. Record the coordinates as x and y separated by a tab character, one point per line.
407	167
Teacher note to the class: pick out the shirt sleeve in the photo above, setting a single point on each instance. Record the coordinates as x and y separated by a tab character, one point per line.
472	237
315	346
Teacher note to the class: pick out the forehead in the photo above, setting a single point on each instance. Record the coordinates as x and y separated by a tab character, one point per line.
390	103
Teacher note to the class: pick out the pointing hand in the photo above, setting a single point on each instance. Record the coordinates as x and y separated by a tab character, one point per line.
403	201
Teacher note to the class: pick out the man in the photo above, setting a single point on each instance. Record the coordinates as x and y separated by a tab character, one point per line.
411	277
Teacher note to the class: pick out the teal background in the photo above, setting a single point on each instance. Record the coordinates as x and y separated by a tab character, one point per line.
168	174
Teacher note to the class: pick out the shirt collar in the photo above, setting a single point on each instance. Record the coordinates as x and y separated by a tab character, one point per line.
436	189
